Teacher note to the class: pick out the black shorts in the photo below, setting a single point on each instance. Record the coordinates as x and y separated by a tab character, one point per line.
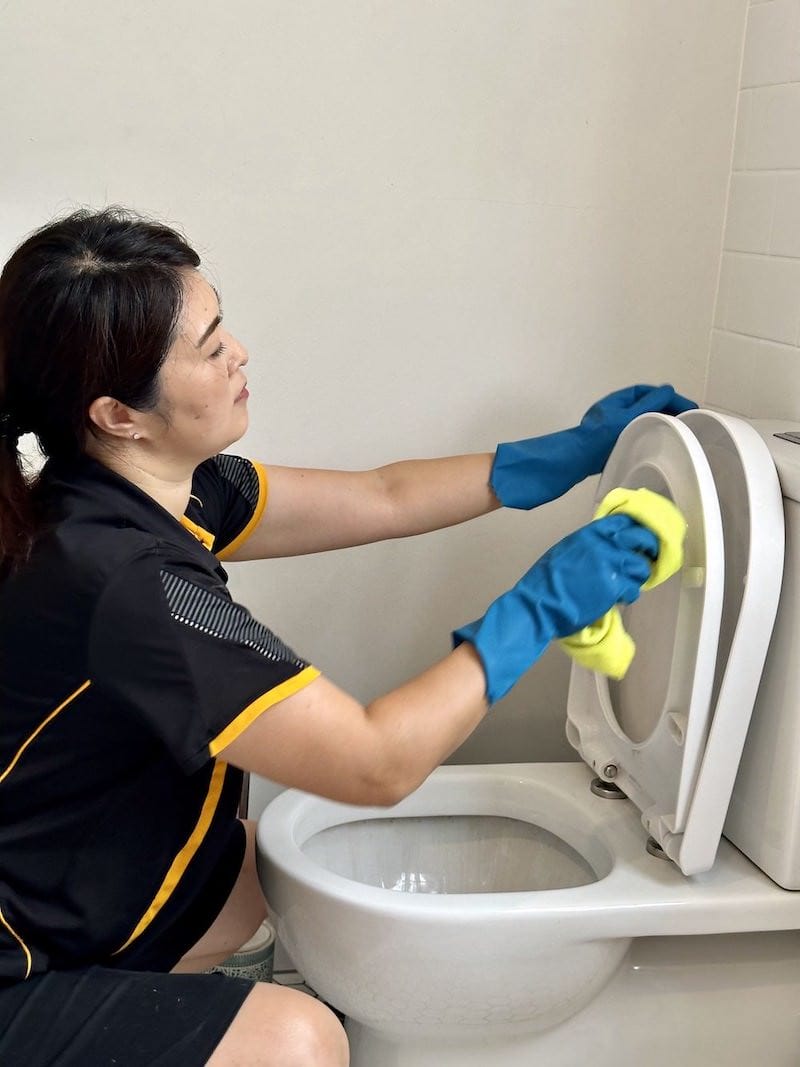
98	1017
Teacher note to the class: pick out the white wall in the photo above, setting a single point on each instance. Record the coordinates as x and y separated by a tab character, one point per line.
436	224
754	367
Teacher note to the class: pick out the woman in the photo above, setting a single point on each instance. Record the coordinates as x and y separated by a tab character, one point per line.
134	691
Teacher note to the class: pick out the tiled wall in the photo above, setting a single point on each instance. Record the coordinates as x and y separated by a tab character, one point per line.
754	366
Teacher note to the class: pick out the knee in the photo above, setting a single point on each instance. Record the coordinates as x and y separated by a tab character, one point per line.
316	1038
278	1027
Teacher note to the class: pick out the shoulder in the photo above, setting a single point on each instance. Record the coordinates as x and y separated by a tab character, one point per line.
227	474
229	495
150	569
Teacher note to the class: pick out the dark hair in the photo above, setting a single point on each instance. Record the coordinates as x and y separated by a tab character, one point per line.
89	307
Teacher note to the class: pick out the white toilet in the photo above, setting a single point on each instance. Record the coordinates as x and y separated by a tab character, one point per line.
520	914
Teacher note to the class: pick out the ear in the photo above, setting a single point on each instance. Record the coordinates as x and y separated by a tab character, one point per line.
113	418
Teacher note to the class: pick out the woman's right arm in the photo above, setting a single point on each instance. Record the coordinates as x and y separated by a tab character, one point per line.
324	741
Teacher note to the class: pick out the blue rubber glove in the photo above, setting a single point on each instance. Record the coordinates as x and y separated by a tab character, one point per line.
528	473
574	583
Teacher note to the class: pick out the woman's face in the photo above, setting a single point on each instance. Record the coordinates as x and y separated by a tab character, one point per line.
202	405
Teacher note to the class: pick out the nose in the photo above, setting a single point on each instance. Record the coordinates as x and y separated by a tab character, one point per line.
239	355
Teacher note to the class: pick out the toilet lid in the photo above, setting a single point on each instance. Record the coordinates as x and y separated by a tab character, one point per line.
674	727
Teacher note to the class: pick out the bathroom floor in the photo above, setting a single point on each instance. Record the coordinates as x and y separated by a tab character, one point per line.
295	980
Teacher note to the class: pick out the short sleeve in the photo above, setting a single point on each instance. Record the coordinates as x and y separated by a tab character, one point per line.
170	647
229	494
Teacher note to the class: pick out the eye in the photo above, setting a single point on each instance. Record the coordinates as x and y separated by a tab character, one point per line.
218	352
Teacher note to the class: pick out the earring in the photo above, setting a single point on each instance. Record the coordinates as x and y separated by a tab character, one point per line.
136	436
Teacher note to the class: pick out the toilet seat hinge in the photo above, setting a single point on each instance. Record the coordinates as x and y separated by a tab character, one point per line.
607	790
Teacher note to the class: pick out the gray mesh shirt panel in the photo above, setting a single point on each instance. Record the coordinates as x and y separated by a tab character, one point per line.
216	616
240	473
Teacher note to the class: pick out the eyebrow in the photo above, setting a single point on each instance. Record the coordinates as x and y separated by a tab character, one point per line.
212	325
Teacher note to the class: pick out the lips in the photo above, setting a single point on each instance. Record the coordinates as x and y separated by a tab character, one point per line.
243	395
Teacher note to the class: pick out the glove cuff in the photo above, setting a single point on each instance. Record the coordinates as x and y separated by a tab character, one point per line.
508	642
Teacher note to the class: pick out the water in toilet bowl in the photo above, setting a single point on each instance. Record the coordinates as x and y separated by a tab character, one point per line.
450	854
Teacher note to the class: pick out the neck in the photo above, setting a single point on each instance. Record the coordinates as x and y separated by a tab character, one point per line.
169	484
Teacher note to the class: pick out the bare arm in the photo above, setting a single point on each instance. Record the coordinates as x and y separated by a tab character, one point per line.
317	510
323	741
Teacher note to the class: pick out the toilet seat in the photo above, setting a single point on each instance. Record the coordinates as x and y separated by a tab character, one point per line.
670	734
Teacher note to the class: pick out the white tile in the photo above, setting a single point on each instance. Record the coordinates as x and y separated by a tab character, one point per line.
759	46
724	290
773	136
750	208
764	298
772	44
742	136
731	369
776	383
785	237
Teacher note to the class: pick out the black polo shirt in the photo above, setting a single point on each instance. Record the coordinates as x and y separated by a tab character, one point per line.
125	668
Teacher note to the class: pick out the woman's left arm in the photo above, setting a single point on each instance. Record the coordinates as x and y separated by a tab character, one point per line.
317	510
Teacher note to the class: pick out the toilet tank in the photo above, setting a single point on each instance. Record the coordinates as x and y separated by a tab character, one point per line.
764	815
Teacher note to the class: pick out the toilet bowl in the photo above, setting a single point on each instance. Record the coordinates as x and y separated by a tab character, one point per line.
484	918
452	961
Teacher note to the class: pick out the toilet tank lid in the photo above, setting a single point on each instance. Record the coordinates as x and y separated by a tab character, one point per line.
782	438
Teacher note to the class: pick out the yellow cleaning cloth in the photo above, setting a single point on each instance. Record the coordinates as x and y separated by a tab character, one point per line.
606	646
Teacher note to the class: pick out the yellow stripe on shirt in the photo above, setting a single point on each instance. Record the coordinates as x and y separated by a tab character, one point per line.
17	938
41	726
184	857
255	518
266	700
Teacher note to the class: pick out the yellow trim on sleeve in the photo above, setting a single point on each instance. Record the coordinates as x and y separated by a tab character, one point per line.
255	518
41	727
16	937
266	700
203	536
184	857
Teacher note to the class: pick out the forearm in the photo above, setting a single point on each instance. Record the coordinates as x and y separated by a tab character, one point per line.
430	494
422	722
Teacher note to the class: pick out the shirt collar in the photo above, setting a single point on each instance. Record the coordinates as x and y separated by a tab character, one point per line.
85	490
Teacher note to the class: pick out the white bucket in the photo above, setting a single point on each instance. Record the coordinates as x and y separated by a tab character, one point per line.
254	960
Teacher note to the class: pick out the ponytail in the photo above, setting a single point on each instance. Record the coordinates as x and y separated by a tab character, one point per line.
17	509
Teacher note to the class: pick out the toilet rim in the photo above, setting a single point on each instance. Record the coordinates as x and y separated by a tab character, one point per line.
459	791
294	817
639	896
